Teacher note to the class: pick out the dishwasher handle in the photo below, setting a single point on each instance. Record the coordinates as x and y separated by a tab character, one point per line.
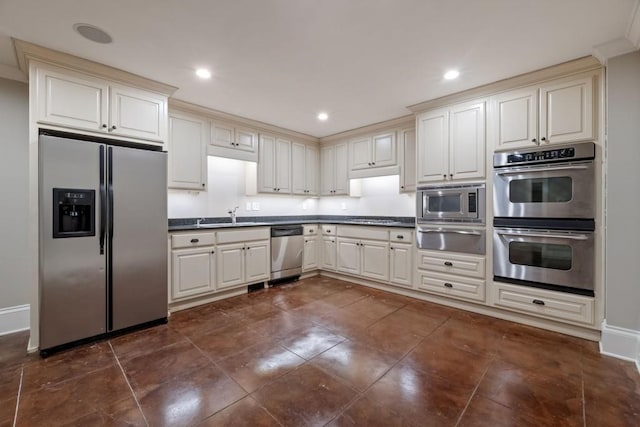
283	231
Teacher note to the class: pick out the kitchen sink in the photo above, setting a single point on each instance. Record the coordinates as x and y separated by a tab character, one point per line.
228	224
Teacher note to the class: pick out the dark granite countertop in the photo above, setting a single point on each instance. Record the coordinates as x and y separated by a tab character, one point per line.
181	224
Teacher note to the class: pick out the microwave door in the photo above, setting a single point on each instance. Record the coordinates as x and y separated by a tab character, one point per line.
445	204
545	192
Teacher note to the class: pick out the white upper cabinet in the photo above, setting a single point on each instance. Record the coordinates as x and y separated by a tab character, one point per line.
566	111
451	143
407	155
274	165
188	138
334	170
558	112
237	138
86	103
371	152
304	169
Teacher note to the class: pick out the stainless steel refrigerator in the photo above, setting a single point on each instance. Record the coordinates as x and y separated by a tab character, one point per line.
103	239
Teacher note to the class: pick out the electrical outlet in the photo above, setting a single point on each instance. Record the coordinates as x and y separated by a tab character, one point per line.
255	206
248	206
343	206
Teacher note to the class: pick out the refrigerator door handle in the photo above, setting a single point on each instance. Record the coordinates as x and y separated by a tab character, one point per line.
110	247
103	202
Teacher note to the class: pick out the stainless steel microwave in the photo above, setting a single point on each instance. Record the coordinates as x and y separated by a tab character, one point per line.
455	203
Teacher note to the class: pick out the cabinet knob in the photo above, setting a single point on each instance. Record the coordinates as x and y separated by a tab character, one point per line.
213	252
369	163
400	236
444	175
391	248
373	163
113	127
450	175
534	140
248	247
402	186
104	126
203	184
543	139
448	285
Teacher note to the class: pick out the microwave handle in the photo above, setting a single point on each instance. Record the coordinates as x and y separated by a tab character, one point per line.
552	236
442	230
512	171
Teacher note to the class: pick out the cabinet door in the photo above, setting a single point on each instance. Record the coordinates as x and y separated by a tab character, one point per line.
433	146
383	149
401	265
341	169
467	141
298	166
327	171
267	164
566	111
230	265
514	119
360	153
222	135
257	261
138	114
283	166
246	139
407	153
329	253
193	272
311	170
72	100
348	256
310	254
188	139
375	260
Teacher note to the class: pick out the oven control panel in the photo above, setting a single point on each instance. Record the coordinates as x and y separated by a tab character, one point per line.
561	153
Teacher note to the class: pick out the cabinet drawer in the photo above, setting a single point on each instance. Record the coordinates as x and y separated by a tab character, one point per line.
193	240
402	236
360	232
452	263
244	235
310	229
453	286
329	230
575	308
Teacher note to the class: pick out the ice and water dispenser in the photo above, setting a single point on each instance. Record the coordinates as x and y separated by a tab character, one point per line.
73	213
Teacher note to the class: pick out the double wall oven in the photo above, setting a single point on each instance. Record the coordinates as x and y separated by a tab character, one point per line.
544	209
451	218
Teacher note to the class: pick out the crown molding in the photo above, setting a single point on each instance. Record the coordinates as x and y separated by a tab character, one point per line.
613	48
587	63
633	30
12	73
187	107
404	121
27	52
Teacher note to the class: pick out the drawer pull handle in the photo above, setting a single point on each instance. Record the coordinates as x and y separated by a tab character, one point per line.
538	302
448	263
328	231
448	285
400	236
195	240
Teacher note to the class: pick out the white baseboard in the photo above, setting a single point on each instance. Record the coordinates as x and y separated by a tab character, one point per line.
14	319
621	343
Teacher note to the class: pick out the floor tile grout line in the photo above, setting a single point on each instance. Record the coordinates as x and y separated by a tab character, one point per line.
15	414
135	398
464	410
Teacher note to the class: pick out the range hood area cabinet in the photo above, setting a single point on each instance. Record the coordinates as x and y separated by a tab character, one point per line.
451	143
234	142
373	155
95	106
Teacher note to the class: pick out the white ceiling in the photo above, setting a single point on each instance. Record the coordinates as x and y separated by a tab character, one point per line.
283	61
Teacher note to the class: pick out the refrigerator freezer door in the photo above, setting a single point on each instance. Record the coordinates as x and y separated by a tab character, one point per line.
72	270
139	240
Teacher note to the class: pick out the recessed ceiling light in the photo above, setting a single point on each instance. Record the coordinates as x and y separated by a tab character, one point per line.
203	73
323	116
451	74
93	33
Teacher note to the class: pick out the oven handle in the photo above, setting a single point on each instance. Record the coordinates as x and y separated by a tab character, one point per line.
513	171
442	230
552	236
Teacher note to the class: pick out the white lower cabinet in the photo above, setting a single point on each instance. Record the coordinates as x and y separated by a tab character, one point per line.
348	256
328	253
544	303
451	285
375	260
400	263
257	261
243	263
310	253
194	272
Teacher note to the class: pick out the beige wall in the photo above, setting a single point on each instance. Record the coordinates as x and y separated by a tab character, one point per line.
623	193
14	135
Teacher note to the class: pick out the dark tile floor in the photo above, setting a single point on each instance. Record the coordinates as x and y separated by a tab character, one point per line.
322	351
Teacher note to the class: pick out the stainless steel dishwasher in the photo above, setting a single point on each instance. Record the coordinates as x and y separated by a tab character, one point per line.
287	244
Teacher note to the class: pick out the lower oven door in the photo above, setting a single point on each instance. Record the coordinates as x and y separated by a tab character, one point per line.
559	260
459	239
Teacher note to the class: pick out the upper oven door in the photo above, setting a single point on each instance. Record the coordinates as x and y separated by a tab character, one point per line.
545	191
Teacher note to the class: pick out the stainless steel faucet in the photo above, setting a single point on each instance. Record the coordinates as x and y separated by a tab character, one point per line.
232	212
199	221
